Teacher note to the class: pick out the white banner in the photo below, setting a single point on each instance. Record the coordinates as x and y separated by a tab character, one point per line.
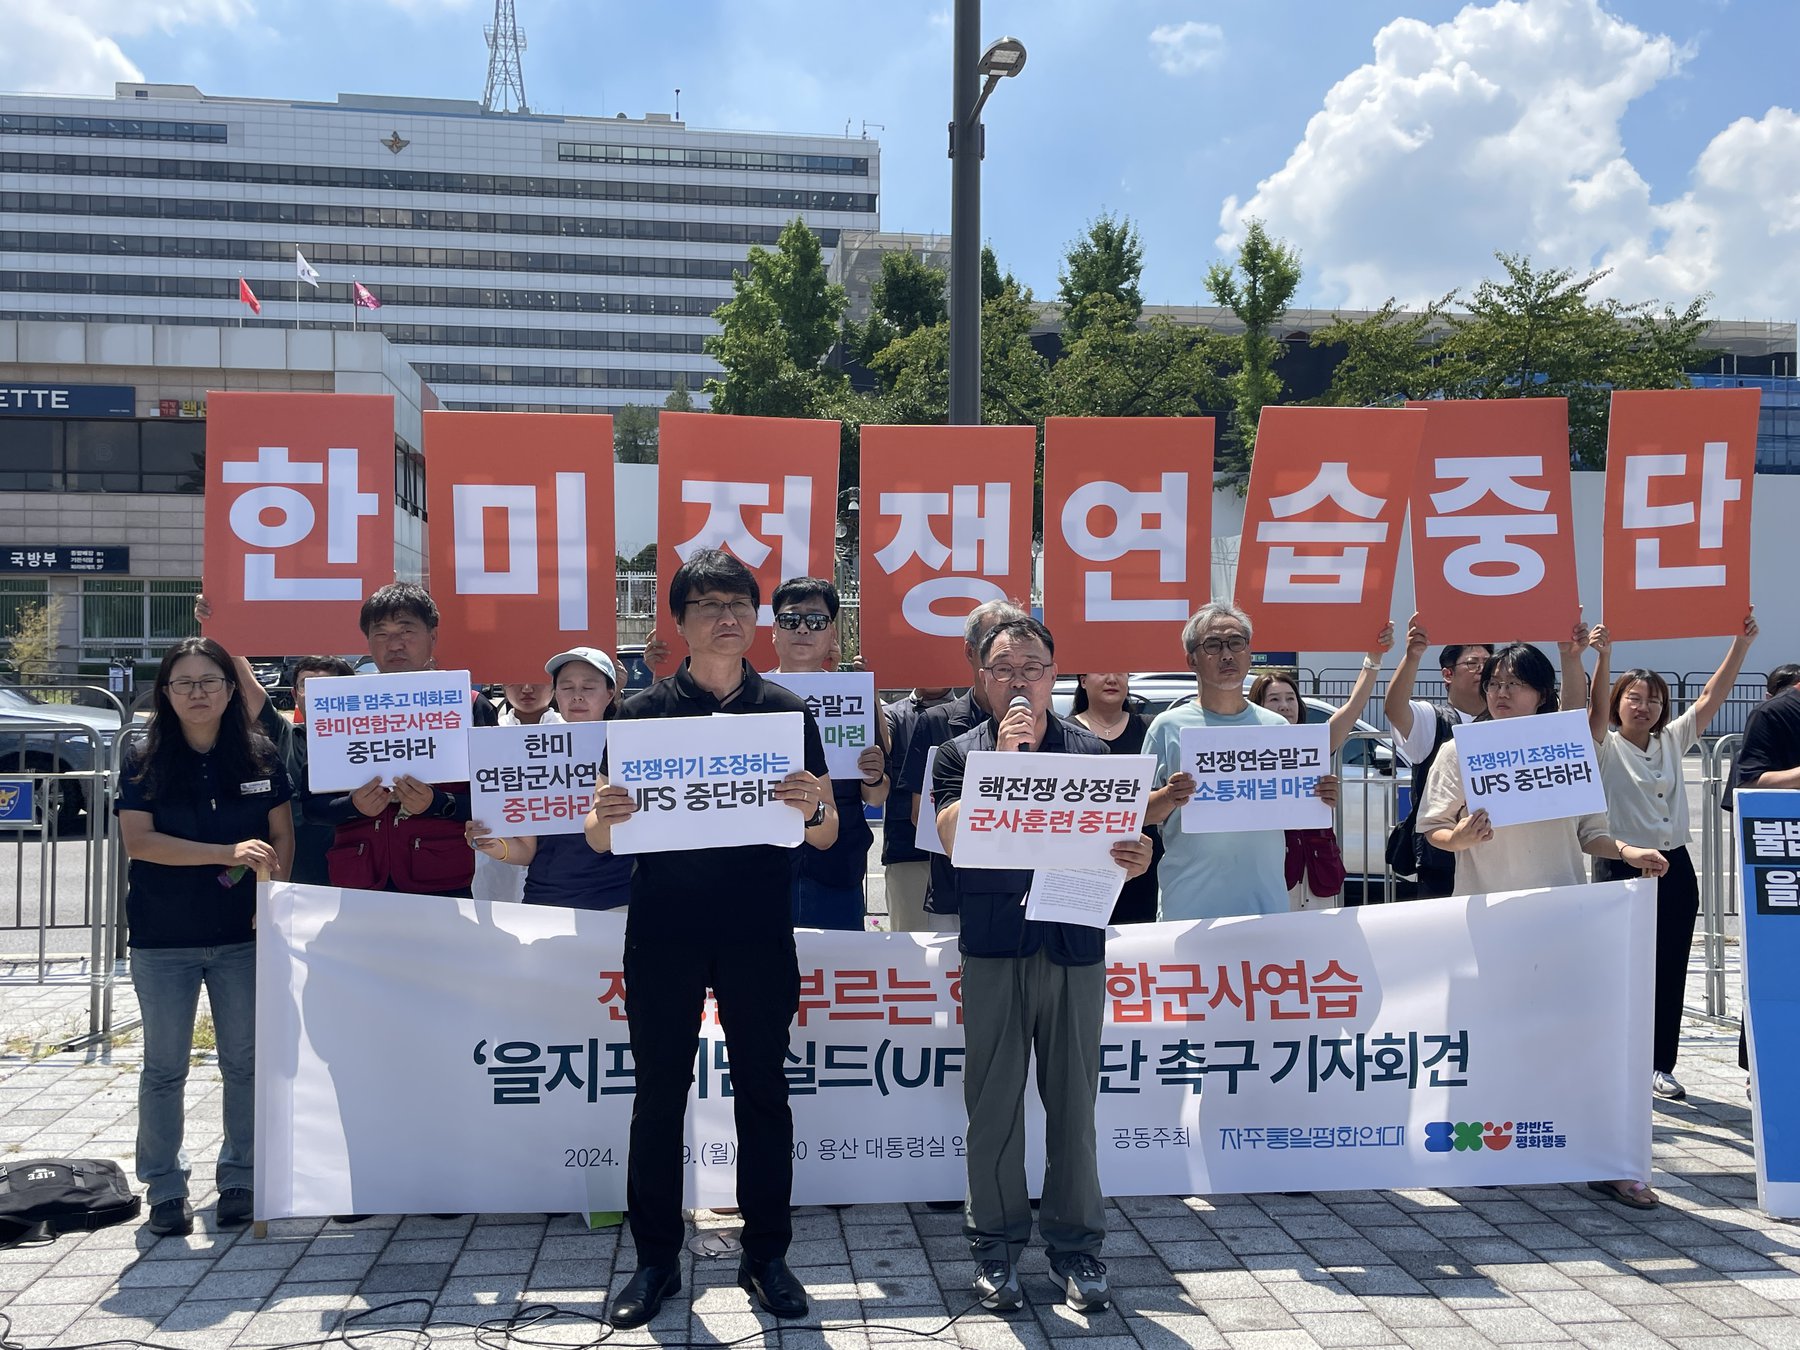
1523	769
535	779
381	726
706	782
1460	1042
1255	778
1037	811
843	703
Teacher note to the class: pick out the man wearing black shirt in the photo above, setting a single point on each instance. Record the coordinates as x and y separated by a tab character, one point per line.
714	918
907	867
1770	757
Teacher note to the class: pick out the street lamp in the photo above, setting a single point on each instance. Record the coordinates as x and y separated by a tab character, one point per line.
968	94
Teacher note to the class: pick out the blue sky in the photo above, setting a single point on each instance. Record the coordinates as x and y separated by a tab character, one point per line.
1396	145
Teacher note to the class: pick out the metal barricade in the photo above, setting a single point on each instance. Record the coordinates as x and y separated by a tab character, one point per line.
1368	809
1718	872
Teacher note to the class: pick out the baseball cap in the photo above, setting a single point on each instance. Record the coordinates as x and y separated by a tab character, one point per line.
592	655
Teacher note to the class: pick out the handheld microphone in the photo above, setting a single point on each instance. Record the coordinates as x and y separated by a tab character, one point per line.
1020	701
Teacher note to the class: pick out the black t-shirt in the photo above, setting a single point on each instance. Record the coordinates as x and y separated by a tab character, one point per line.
899	836
716	893
1771	738
169	906
935	727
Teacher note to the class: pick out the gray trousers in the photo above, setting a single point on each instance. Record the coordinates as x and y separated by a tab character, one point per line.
906	885
1010	1008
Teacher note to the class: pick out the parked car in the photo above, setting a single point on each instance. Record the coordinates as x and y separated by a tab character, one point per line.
635	674
40	750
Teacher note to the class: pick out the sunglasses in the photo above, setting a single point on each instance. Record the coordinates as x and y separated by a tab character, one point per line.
790	622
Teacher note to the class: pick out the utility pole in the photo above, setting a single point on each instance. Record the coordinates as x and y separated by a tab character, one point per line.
965	216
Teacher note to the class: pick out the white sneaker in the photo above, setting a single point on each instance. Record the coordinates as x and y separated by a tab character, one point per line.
1665	1086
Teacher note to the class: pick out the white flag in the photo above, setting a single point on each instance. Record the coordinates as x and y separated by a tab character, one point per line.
305	270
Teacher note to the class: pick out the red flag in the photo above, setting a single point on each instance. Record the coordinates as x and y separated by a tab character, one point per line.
248	296
365	298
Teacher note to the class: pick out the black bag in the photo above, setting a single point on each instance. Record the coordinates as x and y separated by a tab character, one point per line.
47	1196
1404	846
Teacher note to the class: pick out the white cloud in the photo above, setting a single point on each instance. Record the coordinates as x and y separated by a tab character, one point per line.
1183	48
74	47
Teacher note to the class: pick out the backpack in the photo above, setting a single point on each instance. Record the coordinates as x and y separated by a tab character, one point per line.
42	1197
1404	847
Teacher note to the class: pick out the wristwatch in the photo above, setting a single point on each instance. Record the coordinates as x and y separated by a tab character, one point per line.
818	815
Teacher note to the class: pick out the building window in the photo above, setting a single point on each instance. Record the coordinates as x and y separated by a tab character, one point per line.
135	620
30	455
102	455
17	594
111	128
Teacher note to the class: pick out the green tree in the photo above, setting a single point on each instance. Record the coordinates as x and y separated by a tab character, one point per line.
634	434
679	400
1117	368
1108	261
31	646
782	319
908	295
1388	357
915	369
1257	290
993	281
644	560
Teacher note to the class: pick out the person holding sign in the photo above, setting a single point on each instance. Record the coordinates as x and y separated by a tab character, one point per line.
1641	750
203	809
526	705
1028	986
1217	875
717	918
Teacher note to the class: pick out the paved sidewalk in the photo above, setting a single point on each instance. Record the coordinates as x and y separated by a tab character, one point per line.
1535	1265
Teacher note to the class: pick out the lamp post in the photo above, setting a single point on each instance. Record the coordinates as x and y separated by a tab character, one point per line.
968	93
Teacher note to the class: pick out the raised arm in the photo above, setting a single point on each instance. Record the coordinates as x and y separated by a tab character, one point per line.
1343	721
1398	703
1719	687
1599	699
1574	677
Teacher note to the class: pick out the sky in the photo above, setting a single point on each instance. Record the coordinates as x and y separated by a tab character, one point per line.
1396	146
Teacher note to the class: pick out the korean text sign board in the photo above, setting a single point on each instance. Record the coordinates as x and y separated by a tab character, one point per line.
360	727
1127	536
299	518
706	782
521	537
1493	530
1768	831
1321	541
1680	467
1522	769
1255	778
946	525
534	779
843	704
1049	810
1379	1047
764	489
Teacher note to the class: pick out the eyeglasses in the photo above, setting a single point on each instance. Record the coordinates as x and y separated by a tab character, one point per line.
1507	686
208	685
1473	663
711	611
790	622
1214	645
1031	672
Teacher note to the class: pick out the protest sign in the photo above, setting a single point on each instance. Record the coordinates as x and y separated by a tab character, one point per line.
360	727
299	518
1255	778
706	782
1768	831
1387	1046
1049	810
534	779
927	837
1522	769
843	704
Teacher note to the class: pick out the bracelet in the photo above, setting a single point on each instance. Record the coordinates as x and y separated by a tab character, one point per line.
1370	663
876	781
505	850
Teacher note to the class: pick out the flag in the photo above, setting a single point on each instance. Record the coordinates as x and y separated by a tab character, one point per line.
305	271
365	298
248	296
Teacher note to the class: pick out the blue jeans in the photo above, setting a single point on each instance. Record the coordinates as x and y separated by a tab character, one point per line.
816	905
167	980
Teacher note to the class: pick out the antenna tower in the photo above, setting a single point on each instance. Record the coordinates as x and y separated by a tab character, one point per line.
506	72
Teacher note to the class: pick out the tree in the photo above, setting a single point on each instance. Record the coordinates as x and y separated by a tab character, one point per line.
915	370
634	434
1115	368
1388	357
679	400
31	647
1267	275
782	319
993	281
1107	262
908	295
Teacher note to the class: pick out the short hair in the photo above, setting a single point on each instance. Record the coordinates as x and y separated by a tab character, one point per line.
1782	677
399	599
795	589
1207	613
1000	611
1026	629
711	569
1658	686
1449	656
322	665
1529	666
1259	688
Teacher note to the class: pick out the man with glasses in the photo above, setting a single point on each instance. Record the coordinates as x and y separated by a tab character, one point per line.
1028	986
1218	875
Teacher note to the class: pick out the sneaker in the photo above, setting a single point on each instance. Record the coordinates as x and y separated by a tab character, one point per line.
1665	1086
236	1206
997	1286
173	1217
1084	1281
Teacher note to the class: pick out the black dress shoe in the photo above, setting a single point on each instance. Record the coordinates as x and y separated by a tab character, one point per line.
641	1298
773	1285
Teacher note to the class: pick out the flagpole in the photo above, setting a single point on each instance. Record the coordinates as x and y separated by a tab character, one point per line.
353	306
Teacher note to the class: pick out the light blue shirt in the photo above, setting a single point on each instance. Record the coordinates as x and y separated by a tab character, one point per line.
1214	876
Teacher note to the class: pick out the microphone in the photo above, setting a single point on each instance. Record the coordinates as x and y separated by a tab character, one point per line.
1020	701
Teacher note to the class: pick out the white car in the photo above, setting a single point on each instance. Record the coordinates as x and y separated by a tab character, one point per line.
39	749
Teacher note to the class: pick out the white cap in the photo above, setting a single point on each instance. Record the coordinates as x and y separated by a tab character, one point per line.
596	658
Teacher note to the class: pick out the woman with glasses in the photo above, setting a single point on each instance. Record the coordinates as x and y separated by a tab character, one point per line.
1641	751
1103	705
1518	682
203	809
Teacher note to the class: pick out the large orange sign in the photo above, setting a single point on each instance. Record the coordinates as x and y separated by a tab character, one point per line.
1493	531
946	526
299	518
1127	537
1328	492
1680	465
522	558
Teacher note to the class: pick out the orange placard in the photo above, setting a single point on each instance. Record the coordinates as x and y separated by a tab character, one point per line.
1493	532
1328	493
522	559
764	489
299	518
1680	467
1127	538
946	526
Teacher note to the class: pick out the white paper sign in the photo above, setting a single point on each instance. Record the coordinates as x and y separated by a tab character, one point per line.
381	726
536	779
843	703
1523	769
706	782
1255	778
1049	810
1083	895
926	836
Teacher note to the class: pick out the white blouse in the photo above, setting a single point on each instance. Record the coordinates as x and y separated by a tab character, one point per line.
1646	796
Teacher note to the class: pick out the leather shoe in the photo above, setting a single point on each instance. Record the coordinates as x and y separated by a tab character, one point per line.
641	1298
774	1286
